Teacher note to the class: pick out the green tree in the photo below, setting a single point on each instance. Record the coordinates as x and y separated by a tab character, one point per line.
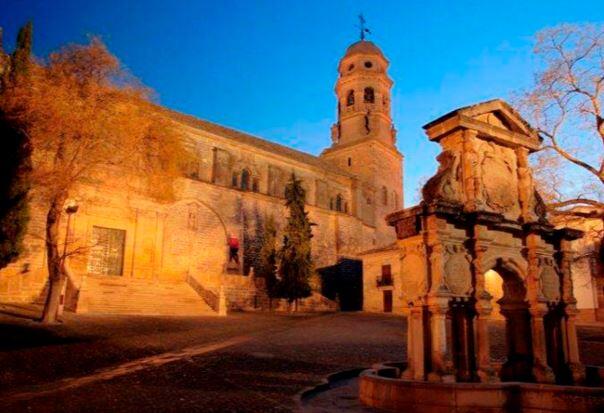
15	155
266	266
295	254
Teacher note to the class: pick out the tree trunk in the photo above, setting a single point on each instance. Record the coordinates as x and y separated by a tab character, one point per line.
54	259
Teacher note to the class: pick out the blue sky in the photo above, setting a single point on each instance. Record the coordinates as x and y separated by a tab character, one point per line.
269	67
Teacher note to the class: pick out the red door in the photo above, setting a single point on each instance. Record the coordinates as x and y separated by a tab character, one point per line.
388	301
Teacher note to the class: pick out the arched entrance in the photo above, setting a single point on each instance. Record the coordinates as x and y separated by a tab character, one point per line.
194	242
510	304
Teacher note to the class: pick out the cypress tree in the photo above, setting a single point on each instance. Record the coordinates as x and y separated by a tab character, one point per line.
295	255
21	57
266	266
15	160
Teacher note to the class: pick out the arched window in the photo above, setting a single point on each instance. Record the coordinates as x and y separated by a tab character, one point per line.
350	98
384	196
234	179
245	180
339	203
369	96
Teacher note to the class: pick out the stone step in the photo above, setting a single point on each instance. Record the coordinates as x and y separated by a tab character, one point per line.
133	296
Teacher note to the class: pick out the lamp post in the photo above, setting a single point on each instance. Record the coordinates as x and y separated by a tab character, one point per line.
71	207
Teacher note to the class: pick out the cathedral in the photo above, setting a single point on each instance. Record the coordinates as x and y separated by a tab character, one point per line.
136	256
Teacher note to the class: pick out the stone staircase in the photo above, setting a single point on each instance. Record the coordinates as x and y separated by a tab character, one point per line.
112	295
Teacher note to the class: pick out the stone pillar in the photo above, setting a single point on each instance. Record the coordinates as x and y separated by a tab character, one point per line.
571	346
471	181
542	372
537	309
415	345
440	352
485	371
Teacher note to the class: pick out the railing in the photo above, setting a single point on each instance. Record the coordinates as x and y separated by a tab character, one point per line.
384	281
210	297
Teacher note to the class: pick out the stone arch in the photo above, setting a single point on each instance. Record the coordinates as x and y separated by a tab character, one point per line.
197	250
508	262
514	308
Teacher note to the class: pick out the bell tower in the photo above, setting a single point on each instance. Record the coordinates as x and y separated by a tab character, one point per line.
364	138
363	92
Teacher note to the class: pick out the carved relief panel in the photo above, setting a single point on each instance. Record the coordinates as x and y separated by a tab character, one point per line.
414	271
458	274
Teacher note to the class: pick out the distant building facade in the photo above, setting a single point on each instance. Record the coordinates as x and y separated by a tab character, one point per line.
139	256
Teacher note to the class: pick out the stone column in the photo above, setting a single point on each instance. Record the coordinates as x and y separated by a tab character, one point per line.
470	179
542	372
537	309
571	347
415	345
485	371
440	352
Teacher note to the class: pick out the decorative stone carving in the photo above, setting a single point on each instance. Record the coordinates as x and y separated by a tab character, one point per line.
458	274
413	272
446	184
549	280
498	178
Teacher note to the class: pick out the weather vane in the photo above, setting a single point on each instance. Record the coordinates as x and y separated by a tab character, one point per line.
364	30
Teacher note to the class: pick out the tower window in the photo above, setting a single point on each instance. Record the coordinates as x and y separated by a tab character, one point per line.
350	98
368	64
369	96
349	161
350	67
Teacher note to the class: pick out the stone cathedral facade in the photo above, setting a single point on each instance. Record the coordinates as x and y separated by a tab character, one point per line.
138	256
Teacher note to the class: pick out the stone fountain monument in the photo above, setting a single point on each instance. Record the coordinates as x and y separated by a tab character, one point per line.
481	212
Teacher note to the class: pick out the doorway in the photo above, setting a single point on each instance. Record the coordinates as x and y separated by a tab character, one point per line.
388	301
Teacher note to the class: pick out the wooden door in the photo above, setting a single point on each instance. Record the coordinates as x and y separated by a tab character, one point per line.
388	301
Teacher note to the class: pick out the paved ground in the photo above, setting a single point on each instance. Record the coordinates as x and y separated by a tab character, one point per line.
244	363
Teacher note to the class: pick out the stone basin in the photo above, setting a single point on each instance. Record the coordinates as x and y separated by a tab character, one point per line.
381	389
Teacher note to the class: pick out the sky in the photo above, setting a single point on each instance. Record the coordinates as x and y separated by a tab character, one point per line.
268	67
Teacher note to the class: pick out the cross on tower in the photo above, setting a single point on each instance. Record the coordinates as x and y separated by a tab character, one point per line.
364	30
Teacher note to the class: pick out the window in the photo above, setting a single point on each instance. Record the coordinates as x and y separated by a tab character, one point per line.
331	203
386	274
350	98
107	251
346	207
369	96
339	203
384	196
245	180
234	180
368	64
255	185
350	67
349	161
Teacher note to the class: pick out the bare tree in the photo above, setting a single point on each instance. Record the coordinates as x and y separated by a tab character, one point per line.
86	116
566	106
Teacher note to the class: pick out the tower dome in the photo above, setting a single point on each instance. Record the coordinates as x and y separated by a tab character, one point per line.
363	47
